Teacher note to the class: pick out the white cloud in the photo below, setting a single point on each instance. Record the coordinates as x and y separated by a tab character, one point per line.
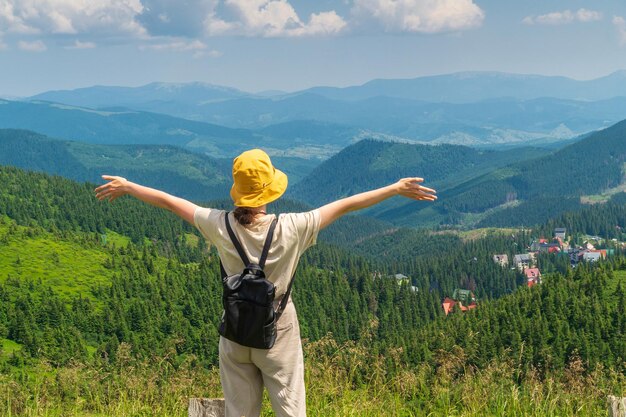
105	17
146	19
564	17
32	46
272	18
620	25
178	46
199	49
420	16
209	53
81	45
584	15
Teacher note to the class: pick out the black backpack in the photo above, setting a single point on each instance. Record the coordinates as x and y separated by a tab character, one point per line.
249	317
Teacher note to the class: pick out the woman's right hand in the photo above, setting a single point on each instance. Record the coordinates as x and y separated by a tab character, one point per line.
114	188
412	188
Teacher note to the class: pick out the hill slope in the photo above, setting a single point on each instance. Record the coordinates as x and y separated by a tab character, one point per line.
115	126
122	127
370	164
180	172
586	167
487	189
117	327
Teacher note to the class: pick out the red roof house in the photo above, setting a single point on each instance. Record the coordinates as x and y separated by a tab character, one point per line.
448	304
533	276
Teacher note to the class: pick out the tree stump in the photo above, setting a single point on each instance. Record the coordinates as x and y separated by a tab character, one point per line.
617	406
206	407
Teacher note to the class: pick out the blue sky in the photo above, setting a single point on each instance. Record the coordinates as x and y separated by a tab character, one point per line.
260	45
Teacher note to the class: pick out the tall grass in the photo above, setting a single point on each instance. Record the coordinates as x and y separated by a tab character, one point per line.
342	380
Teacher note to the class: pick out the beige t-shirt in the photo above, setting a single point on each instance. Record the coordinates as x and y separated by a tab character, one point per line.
294	233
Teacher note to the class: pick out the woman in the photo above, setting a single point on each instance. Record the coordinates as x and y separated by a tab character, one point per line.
244	371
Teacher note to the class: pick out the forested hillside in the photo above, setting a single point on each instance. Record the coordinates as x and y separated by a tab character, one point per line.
369	164
476	188
124	289
147	301
180	172
587	167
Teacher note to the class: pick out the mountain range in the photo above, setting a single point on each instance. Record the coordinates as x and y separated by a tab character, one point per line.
467	87
471	108
310	139
461	87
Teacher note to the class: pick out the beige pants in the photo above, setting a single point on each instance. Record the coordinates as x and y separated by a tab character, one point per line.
244	371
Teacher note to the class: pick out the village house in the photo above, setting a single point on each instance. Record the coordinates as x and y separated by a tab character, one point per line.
502	260
588	246
543	245
465	300
522	261
552	247
560	232
593	255
402	279
534	246
533	276
589	256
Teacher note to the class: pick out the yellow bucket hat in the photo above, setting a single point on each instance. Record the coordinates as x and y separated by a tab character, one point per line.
255	180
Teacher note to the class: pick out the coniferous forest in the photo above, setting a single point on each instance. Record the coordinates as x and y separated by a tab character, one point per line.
112	310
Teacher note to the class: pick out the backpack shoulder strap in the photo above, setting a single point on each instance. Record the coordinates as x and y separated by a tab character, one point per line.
268	243
242	253
285	299
233	238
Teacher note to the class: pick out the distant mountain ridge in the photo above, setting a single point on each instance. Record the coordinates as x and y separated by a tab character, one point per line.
469	108
460	87
150	95
467	87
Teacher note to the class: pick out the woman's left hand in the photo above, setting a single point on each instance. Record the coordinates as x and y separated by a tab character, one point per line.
116	187
412	188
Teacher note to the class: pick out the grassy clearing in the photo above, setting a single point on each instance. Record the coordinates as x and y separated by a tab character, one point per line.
7	347
475	234
475	218
67	266
606	194
111	238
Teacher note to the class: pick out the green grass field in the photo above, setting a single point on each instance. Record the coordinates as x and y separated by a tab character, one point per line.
158	389
65	265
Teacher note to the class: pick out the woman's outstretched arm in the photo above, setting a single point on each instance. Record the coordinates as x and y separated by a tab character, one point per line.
119	186
406	187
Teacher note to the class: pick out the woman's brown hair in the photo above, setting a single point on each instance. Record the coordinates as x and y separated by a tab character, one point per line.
244	215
